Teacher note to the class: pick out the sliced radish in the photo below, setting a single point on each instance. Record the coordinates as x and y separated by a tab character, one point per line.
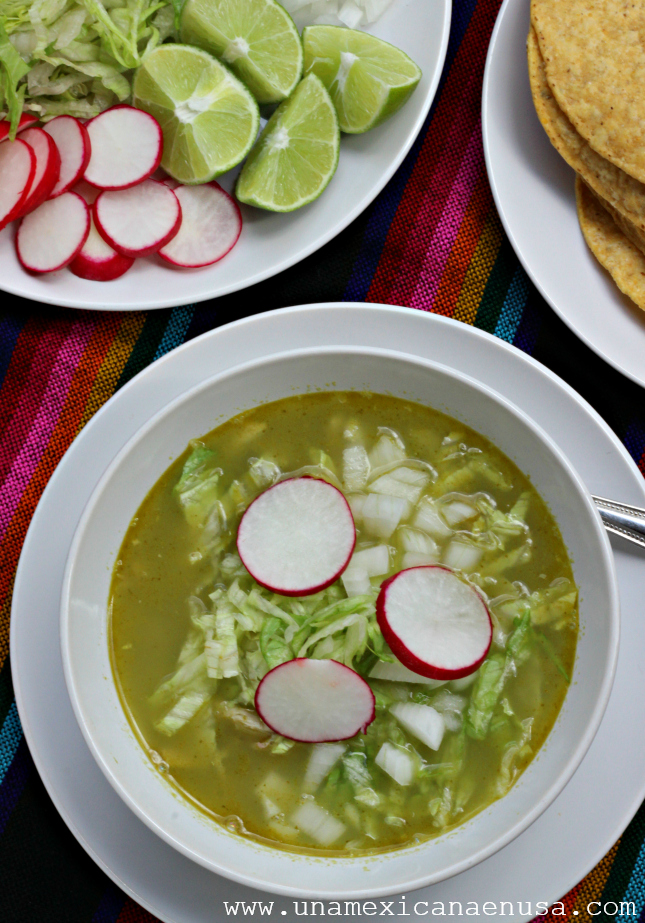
51	236
126	144
315	701
297	537
73	143
17	168
140	220
435	623
25	121
210	228
47	167
97	260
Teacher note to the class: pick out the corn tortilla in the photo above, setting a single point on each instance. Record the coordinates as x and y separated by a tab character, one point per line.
622	260
594	56
620	191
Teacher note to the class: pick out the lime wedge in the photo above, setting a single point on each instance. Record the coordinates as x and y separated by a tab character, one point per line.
256	38
208	117
297	153
368	79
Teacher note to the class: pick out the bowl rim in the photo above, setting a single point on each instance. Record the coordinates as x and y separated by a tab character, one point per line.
483	853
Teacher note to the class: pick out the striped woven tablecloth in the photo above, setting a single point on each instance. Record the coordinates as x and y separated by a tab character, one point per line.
432	240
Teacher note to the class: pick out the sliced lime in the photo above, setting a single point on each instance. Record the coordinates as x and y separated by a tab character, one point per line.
297	153
368	79
256	38
208	117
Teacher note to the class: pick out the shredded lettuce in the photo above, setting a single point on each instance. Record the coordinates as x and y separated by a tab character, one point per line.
238	630
12	70
74	57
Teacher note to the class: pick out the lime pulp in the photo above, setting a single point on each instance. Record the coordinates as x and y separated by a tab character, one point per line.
208	117
367	78
297	153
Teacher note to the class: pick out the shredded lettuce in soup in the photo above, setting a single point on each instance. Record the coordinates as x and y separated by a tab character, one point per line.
395	784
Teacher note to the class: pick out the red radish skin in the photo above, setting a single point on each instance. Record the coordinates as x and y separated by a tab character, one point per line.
315	701
297	537
17	168
211	226
73	142
97	261
138	221
50	237
127	145
415	623
47	168
26	121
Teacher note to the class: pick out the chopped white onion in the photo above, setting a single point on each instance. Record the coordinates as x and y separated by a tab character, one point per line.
457	511
462	556
387	450
356	504
422	721
356	581
412	540
356	467
317	823
429	520
321	762
375	560
352	13
407	483
382	514
396	762
418	559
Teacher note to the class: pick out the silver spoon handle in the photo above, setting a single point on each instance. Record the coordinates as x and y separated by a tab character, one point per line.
622	519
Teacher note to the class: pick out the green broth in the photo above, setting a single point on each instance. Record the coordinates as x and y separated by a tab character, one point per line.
236	773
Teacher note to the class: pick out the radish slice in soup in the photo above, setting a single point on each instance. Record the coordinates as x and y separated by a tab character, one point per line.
436	623
315	701
297	537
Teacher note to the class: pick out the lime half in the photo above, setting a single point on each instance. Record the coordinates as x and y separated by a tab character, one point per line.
208	117
256	38
368	79
297	153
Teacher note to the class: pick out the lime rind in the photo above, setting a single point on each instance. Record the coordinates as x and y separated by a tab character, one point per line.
257	39
209	119
367	78
297	153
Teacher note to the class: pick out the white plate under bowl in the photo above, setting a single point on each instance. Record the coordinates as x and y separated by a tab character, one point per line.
85	629
270	242
544	862
534	192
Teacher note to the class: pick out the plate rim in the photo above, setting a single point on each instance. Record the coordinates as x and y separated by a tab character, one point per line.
486	118
136	382
153	305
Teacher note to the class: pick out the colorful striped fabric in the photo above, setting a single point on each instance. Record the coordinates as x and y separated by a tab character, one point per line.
432	240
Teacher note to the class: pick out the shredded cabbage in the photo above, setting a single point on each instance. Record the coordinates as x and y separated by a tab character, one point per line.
73	56
240	630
